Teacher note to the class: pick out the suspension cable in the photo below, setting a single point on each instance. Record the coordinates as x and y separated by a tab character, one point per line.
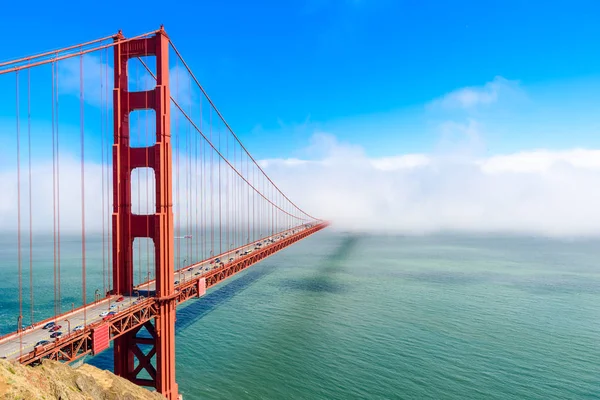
221	155
231	130
69	55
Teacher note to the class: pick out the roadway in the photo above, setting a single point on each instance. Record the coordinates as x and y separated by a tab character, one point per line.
192	271
12	346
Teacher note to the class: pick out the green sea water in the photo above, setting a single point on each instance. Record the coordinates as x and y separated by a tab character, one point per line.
342	316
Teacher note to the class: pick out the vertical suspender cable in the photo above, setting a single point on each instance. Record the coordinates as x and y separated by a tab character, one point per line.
187	191
248	205
108	178
188	180
235	203
54	205
176	193
220	187
81	122
177	173
212	208
139	178
196	190
149	209
30	199
204	208
227	195
19	261
102	139
58	255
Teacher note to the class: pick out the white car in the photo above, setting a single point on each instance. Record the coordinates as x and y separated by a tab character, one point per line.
113	306
104	314
78	328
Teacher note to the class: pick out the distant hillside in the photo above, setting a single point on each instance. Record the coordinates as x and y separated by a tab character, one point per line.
53	380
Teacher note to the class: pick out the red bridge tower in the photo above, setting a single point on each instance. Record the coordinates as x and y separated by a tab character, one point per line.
158	226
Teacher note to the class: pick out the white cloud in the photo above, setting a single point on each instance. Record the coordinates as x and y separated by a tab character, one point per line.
538	192
542	161
470	97
97	78
289	161
400	162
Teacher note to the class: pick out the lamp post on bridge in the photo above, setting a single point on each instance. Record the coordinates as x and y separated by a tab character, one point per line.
69	325
96	295
148	290
180	268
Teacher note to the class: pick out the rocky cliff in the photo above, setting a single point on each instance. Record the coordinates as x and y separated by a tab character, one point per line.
54	380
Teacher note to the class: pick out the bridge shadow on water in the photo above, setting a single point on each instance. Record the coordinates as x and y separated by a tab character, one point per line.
304	325
196	310
323	281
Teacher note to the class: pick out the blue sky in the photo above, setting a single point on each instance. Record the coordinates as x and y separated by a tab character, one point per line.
364	71
413	116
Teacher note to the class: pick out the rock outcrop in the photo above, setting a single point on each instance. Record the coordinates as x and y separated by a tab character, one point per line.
54	380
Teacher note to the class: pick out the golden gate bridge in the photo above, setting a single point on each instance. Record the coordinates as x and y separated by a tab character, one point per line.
172	205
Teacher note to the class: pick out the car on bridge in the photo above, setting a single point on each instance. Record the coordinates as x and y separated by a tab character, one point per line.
109	316
104	314
48	325
42	343
78	328
55	328
120	299
56	334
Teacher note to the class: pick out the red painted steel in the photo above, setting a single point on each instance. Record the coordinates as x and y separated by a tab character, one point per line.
158	226
100	338
201	287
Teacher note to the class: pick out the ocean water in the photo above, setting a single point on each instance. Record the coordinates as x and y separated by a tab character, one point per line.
342	316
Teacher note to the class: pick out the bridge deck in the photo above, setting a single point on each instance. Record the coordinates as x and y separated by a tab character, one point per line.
133	310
